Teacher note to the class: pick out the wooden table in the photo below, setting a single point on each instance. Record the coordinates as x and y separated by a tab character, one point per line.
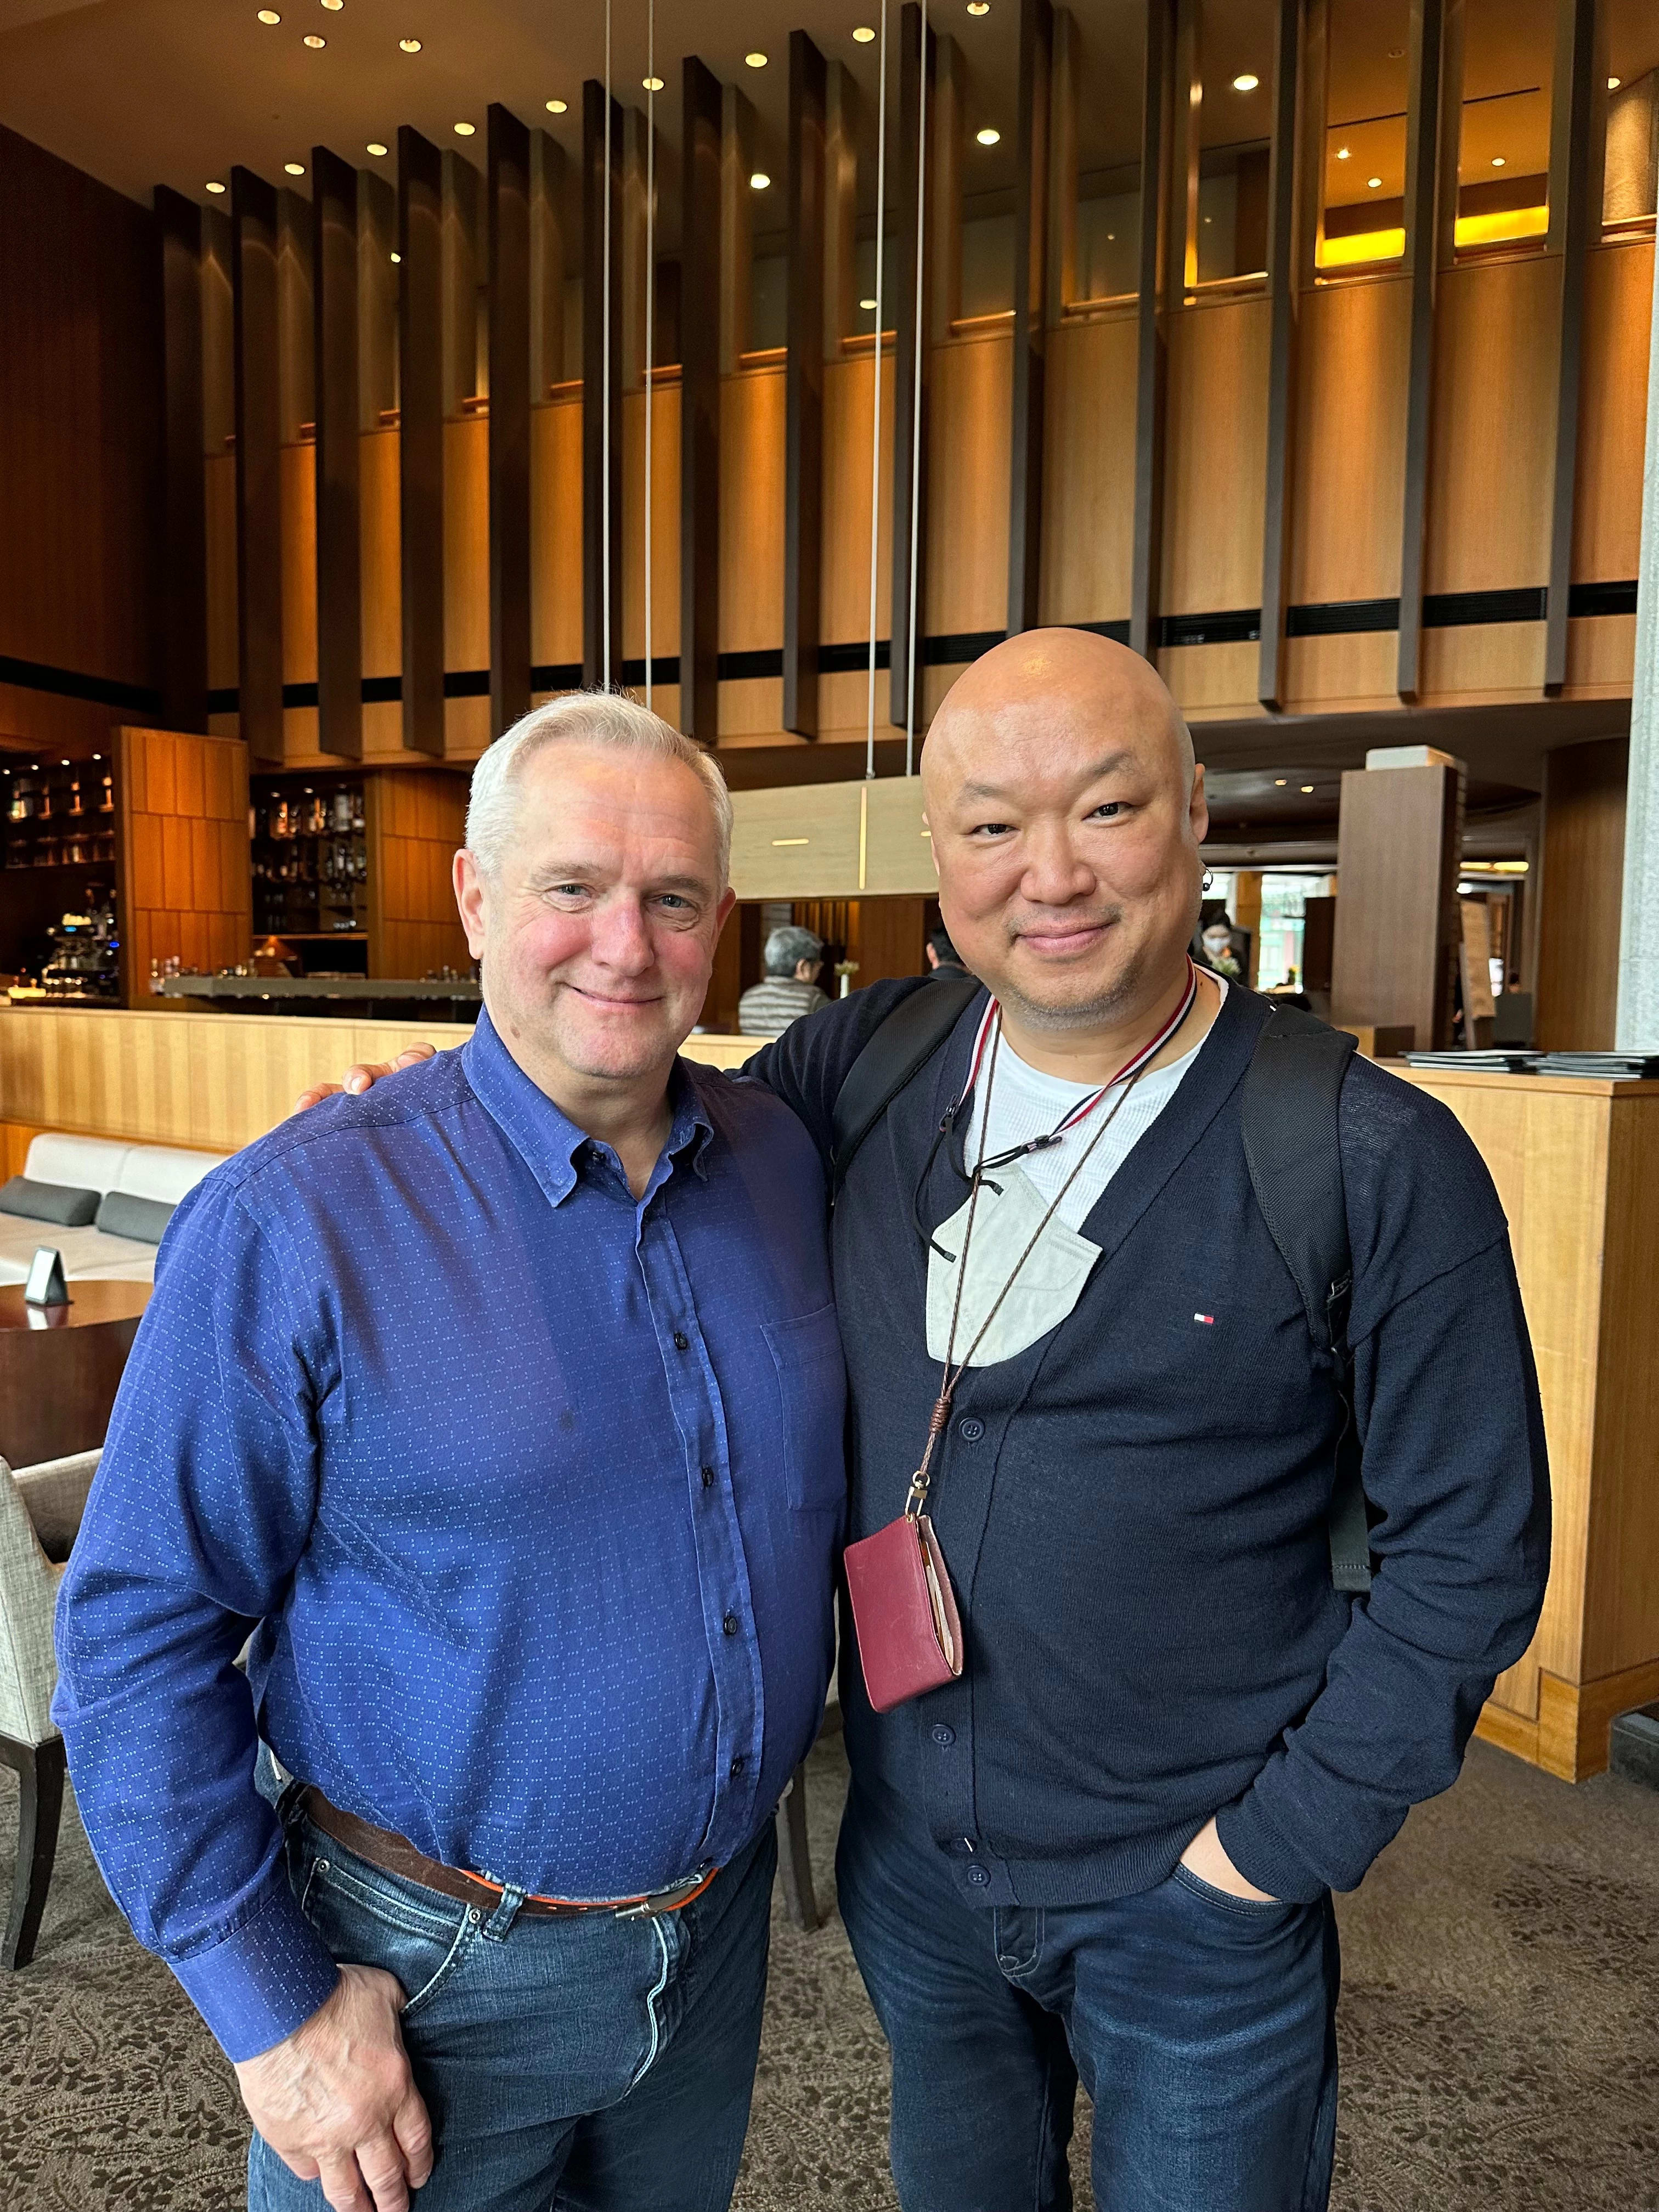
60	1367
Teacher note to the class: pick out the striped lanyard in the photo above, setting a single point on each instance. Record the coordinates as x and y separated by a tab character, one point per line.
1084	1107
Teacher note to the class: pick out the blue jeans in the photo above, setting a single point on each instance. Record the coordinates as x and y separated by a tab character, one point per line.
589	2064
1203	2026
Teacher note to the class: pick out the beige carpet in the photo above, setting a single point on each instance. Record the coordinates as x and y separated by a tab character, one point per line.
1500	2030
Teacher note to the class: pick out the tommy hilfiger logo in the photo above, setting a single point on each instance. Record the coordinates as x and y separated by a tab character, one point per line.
1208	1320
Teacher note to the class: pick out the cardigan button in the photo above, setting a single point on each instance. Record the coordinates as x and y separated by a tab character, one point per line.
970	1430
979	1876
943	1737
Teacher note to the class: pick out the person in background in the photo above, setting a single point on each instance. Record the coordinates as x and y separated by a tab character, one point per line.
943	961
1220	946
792	960
508	1404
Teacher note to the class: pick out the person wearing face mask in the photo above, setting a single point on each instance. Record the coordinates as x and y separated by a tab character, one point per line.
1126	1693
1219	944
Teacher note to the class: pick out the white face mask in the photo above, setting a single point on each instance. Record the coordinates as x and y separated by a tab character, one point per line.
1044	1291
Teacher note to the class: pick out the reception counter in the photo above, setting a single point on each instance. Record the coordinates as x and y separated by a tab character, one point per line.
1574	1163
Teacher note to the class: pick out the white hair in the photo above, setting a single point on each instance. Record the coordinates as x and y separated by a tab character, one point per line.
594	718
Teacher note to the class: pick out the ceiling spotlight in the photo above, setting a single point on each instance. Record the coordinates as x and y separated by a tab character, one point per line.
466	129
397	257
863	35
214	185
1497	160
1280	781
755	60
376	148
314	40
1306	787
556	106
269	16
1375	184
868	306
334	6
979	7
409	45
652	83
1614	84
988	137
1342	153
759	181
294	168
1246	82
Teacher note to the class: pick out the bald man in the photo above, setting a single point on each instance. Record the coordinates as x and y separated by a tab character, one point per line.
1108	1848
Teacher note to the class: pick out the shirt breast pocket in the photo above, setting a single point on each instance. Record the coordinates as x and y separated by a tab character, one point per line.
812	1388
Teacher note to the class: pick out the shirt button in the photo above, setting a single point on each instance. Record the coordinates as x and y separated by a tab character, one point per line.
737	1768
979	1876
707	1477
943	1737
970	1430
681	1339
730	1623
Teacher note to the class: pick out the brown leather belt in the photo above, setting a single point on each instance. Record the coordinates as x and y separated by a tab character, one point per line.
395	1854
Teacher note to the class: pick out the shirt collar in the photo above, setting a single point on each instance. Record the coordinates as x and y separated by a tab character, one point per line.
548	1140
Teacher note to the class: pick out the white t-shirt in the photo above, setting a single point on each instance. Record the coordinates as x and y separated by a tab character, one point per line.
1044	1288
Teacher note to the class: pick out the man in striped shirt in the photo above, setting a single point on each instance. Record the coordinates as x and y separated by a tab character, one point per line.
792	960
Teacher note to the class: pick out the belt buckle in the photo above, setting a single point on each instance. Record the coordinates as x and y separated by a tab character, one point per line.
664	1900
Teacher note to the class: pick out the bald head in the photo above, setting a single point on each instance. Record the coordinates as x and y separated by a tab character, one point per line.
1066	813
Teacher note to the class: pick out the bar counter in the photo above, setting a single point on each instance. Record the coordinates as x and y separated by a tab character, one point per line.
1573	1158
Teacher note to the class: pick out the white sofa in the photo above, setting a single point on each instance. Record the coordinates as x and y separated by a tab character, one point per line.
161	1172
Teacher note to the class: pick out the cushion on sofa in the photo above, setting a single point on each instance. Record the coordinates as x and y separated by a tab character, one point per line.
143	1219
88	1163
164	1172
60	1203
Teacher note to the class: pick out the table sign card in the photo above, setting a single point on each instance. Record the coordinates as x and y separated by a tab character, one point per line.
45	1285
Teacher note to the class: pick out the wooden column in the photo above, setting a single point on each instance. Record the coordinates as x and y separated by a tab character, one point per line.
1160	282
602	600
460	281
911	369
184	602
377	298
737	133
1401	834
1575	204
700	400
339	526
1433	127
841	167
548	258
508	162
420	438
258	464
1284	287
1036	40
803	523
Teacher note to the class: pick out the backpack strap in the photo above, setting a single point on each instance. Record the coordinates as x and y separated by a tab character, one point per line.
897	1051
1290	1115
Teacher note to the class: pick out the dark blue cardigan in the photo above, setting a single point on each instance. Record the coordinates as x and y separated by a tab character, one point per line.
1134	1510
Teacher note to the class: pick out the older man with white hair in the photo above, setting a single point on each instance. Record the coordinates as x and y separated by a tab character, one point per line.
509	1404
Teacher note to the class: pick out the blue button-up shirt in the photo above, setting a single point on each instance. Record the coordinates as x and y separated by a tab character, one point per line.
532	1489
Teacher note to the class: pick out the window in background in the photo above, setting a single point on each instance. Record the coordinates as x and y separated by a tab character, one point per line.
1362	219
1630	186
1504	157
1283	899
1235	70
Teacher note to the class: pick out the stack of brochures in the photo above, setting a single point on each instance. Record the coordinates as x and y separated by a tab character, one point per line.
1644	1066
1501	1060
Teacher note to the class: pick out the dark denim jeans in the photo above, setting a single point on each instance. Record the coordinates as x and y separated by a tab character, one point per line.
591	2064
1203	2026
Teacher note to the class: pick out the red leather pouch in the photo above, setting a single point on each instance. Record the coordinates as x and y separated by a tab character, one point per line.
909	1635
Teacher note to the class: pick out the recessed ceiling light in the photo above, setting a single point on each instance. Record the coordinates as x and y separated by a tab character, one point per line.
269	16
869	306
1342	153
979	7
314	40
1375	183
1280	781
556	106
294	168
1306	787
1497	160
1246	82
466	129
1614	84
409	45
759	181
652	83
397	257
376	148
214	185
988	137
755	60
863	35
334	6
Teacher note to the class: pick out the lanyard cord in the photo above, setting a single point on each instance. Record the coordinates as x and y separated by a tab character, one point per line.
954	1369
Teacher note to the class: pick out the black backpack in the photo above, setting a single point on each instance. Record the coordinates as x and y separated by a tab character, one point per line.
1290	1095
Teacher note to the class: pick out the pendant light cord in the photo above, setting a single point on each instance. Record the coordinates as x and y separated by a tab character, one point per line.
875	407
919	339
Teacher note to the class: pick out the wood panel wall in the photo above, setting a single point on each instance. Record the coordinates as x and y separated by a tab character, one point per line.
1216	459
80	421
183	882
415	820
1577	993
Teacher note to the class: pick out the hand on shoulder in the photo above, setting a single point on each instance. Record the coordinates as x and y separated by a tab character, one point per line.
364	1076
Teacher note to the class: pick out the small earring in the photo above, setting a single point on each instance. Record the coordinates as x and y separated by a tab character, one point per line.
1208	880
